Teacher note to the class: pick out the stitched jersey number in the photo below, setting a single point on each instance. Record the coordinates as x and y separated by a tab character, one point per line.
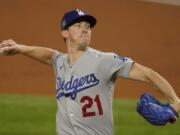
89	104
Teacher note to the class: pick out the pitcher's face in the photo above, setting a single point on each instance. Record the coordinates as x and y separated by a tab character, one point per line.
79	34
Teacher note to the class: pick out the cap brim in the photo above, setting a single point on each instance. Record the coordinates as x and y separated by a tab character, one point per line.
87	18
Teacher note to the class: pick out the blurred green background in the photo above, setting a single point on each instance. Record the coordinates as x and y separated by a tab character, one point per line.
35	115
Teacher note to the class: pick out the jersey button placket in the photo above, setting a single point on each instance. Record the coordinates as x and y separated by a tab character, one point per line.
70	113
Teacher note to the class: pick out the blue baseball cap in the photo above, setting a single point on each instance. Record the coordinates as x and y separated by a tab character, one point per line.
75	16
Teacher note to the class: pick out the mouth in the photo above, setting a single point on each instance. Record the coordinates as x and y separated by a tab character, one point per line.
85	37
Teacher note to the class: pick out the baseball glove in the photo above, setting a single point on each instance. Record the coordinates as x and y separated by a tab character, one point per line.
154	111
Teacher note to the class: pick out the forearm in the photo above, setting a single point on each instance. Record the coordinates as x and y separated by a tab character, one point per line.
41	54
163	86
142	73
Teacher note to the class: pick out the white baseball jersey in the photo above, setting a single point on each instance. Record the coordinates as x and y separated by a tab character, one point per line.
84	91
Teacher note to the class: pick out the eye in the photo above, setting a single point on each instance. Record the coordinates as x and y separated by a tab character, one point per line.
88	26
78	25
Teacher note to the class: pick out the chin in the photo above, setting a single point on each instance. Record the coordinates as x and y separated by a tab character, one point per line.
83	46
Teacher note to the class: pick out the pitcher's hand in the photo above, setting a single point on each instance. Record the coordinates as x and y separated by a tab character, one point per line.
9	47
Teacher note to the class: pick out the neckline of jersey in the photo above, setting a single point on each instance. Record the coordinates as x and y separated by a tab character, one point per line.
70	66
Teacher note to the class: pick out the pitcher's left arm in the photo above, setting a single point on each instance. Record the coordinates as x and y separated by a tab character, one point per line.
145	74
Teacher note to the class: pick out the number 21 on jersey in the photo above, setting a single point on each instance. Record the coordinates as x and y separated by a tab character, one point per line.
89	102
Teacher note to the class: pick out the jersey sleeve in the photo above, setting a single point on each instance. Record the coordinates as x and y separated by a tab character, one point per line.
54	60
117	66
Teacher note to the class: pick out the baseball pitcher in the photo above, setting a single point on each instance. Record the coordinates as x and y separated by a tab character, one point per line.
85	77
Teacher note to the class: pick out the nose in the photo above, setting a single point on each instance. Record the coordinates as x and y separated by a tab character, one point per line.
84	29
84	26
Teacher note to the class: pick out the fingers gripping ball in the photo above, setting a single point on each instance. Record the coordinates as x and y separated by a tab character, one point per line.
154	111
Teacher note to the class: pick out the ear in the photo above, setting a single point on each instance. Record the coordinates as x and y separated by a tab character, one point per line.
65	34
